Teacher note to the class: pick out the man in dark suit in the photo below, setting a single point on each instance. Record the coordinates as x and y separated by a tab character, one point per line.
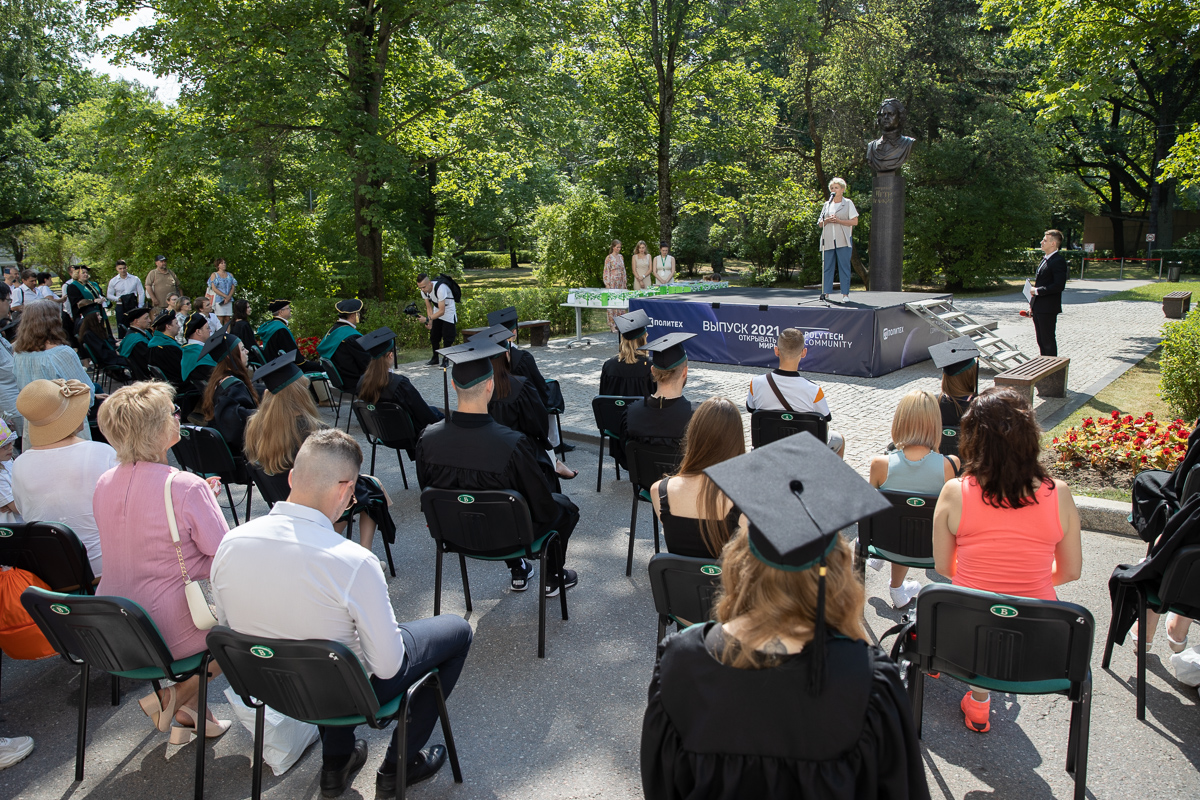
1048	285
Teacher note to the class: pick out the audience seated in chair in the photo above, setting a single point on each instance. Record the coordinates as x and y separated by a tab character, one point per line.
42	351
379	384
229	397
193	366
288	575
8	378
914	466
55	479
958	389
785	389
135	345
697	519
1005	526
94	337
627	374
340	345
661	418
522	363
141	563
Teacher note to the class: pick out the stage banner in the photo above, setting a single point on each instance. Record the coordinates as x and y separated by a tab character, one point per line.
865	342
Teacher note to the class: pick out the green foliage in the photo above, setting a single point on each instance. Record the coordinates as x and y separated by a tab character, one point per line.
574	235
778	231
1184	161
1190	259
1180	384
483	259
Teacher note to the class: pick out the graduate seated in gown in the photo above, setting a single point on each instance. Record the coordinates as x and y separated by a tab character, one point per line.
93	335
697	519
341	345
627	374
379	384
522	363
230	397
957	359
193	366
165	352
471	451
774	700
662	418
276	335
135	345
785	389
276	432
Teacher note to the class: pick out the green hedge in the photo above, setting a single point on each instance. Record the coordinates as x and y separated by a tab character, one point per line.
1190	259
486	259
1180	366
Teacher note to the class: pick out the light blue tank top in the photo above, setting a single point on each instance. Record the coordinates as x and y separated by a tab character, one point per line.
925	476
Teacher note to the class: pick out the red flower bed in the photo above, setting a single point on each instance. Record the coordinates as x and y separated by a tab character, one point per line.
308	347
1123	442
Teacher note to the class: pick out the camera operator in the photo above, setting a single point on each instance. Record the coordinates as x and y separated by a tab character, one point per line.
442	321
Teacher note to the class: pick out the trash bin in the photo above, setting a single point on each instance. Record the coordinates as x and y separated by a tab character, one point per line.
1173	271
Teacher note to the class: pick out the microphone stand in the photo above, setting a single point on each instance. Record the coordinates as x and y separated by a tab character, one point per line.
823	298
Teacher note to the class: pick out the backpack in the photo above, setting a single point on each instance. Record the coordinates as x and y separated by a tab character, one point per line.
445	280
20	636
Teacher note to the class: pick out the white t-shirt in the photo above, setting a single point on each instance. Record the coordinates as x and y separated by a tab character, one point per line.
57	486
442	292
22	295
801	394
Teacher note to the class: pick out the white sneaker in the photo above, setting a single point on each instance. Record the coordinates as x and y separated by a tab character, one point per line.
1176	647
14	750
875	563
903	594
845	298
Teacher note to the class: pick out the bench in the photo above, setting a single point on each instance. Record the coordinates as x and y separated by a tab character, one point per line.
1051	371
539	331
1177	304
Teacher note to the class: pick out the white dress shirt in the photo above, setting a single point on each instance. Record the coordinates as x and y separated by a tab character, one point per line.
288	575
22	295
130	284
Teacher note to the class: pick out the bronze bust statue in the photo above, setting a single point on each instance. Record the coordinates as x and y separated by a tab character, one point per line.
889	151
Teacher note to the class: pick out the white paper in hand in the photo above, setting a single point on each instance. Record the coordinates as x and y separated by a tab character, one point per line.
1028	290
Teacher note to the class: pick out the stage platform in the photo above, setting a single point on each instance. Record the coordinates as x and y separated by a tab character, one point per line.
872	335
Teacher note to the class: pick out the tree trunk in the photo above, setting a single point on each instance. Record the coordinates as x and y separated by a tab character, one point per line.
368	238
664	68
512	251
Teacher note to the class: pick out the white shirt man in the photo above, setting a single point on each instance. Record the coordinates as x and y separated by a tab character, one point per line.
440	293
124	283
785	389
23	293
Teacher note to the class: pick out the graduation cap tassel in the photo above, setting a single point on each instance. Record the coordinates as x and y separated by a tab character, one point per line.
817	675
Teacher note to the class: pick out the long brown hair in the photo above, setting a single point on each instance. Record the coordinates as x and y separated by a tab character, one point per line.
627	351
91	323
961	385
375	379
274	434
501	385
999	448
774	601
714	434
233	364
41	324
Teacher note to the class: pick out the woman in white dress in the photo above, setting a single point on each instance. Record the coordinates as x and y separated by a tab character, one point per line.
664	266
641	267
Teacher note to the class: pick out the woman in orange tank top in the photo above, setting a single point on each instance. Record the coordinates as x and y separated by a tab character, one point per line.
1005	526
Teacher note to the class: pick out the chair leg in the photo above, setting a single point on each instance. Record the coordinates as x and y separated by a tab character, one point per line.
387	549
81	736
632	530
1112	626
451	750
562	575
249	499
662	627
437	583
402	749
232	506
260	714
337	410
116	690
1081	746
201	724
374	447
1141	656
916	694
403	474
462	566
349	415
542	602
654	522
600	463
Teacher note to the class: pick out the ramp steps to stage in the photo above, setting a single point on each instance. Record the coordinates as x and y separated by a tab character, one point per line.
994	352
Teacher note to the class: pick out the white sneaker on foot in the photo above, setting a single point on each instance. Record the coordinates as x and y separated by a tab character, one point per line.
14	750
1176	647
845	298
875	563
903	594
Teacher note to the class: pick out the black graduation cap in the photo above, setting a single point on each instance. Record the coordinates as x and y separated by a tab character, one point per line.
136	313
955	356
633	324
497	334
797	494
278	372
195	322
667	351
219	345
505	316
275	306
378	342
351	306
472	362
163	320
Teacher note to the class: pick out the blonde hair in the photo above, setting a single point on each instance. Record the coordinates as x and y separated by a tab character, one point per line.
790	343
276	431
641	244
838	182
773	601
135	420
918	420
627	350
662	376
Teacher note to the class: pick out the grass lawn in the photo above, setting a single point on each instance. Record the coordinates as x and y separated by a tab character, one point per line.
1154	292
1135	392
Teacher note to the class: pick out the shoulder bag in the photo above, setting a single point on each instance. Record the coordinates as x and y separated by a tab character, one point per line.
203	616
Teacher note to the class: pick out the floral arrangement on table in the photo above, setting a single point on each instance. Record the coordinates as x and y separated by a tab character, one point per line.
308	347
1123	441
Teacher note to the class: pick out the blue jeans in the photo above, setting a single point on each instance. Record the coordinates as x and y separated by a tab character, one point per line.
837	259
442	642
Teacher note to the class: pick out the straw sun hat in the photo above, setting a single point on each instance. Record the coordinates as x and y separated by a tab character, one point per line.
53	409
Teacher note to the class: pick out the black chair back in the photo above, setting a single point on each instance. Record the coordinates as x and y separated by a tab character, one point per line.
1190	484
306	680
648	463
1180	586
968	634
50	551
334	376
771	426
273	488
905	529
388	424
204	451
950	436
608	410
683	588
557	403
468	521
256	355
157	373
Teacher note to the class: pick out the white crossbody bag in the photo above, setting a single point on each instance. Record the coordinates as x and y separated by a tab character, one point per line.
203	616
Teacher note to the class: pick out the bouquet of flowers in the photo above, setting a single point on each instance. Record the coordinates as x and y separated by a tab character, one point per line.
308	347
1123	442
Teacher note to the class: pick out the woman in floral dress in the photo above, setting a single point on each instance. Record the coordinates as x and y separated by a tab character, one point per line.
614	276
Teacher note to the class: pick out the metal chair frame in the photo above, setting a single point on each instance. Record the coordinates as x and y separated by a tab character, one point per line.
608	410
683	588
660	461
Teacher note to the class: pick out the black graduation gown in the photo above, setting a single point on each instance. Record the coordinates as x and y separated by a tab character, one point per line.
951	415
522	411
473	451
401	391
169	360
654	420
74	295
139	358
232	406
350	359
105	353
627	380
244	331
521	362
854	740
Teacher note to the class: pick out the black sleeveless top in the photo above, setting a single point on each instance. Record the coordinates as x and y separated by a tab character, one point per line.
683	534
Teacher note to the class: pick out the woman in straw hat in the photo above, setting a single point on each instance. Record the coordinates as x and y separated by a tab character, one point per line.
56	476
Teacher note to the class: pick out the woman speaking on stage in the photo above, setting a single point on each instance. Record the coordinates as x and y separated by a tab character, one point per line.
838	216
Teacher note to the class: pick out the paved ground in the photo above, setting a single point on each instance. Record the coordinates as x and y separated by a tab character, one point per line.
568	726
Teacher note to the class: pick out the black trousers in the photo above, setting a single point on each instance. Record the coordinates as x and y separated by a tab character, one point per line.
441	334
1043	327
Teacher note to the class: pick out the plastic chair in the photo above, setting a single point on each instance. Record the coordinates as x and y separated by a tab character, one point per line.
117	636
1178	591
1007	644
488	526
387	424
647	463
683	589
335	378
256	356
203	451
901	535
106	370
608	410
950	437
771	426
320	682
272	488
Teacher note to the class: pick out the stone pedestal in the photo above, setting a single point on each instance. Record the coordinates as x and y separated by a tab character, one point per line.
887	232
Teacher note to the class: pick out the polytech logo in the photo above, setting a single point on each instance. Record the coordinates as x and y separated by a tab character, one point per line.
786	417
890	332
466	498
262	652
59	608
915	502
1004	611
711	569
619	403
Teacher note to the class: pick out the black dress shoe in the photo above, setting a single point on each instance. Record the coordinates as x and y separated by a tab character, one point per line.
426	765
335	781
564	448
433	362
